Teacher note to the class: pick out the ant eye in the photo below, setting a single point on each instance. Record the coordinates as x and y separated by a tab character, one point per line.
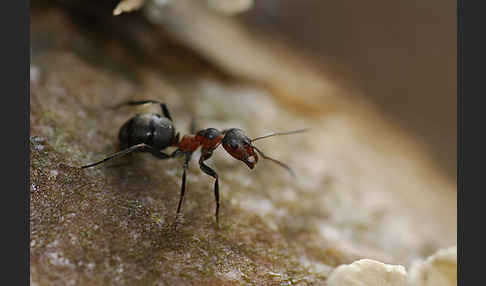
233	144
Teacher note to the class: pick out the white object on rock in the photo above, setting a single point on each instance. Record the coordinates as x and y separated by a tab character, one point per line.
439	269
368	272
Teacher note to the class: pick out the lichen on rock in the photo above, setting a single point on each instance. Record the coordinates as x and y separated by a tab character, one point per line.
367	272
440	269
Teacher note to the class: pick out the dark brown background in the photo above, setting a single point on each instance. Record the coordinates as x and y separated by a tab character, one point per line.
401	54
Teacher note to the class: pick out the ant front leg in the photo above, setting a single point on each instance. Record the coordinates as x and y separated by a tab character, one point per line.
206	169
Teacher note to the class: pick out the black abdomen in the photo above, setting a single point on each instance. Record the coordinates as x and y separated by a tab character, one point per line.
149	128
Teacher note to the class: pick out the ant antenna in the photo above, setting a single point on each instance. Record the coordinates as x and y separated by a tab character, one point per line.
276	161
279	133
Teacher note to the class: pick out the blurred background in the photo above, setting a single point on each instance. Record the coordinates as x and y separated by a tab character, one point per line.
402	55
375	81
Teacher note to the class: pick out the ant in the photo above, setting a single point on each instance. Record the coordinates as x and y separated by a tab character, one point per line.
152	133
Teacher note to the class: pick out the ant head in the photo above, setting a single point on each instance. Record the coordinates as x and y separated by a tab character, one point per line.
238	145
209	138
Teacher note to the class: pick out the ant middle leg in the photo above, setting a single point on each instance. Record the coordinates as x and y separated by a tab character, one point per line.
183	185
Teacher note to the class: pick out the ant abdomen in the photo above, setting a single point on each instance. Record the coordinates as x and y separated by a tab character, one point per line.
149	128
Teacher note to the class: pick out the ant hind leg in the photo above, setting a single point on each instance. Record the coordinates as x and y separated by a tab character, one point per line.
138	147
163	106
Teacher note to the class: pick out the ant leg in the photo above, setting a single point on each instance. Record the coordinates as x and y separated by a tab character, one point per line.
138	147
206	169
193	125
164	108
176	153
165	111
175	140
183	186
161	155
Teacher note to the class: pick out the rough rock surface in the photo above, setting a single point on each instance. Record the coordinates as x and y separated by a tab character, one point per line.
363	189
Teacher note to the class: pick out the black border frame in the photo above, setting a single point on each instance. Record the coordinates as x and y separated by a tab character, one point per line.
460	155
16	28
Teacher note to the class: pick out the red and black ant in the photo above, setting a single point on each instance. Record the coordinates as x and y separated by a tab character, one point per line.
150	132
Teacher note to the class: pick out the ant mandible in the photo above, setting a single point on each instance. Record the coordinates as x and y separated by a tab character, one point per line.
152	133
